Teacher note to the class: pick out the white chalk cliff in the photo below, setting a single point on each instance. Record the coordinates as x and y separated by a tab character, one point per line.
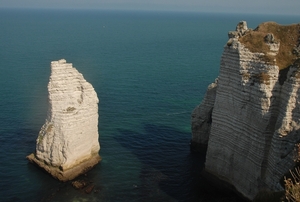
67	144
250	118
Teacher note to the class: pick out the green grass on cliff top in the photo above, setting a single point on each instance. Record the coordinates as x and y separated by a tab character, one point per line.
288	36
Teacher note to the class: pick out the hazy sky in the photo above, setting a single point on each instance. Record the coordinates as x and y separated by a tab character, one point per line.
237	6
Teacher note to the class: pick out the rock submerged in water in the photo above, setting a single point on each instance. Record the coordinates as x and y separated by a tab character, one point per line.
67	144
84	185
79	184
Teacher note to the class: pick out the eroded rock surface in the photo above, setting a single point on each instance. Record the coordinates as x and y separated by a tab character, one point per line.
202	119
68	144
255	116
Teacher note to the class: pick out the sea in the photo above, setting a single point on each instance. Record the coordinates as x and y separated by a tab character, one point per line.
150	69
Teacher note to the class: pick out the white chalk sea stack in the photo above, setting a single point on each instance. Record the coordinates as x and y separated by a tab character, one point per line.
67	144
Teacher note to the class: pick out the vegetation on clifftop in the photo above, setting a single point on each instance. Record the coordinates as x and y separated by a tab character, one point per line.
288	37
292	181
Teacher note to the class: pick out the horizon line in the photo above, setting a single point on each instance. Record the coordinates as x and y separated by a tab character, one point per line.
145	10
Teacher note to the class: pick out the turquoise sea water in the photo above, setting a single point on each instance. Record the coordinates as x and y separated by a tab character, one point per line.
150	69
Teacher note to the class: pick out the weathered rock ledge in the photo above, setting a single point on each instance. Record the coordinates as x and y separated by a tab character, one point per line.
67	144
250	118
69	174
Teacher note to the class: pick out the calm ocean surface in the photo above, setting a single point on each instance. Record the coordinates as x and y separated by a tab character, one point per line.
150	69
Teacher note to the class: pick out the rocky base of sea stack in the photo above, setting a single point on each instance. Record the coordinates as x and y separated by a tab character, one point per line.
198	147
222	185
69	174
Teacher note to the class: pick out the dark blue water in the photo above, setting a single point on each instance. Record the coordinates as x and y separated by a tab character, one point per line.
149	69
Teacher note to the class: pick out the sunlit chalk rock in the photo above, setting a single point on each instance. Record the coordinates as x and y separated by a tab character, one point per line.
250	121
67	144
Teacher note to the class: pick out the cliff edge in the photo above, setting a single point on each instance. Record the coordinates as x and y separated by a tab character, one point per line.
249	119
67	144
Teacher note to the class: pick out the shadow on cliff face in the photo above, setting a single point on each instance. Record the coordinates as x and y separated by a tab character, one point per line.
168	165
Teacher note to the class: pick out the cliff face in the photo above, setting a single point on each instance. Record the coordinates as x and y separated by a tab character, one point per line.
202	119
67	144
255	114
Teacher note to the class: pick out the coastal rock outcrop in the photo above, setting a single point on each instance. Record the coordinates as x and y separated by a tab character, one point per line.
202	118
254	111
67	144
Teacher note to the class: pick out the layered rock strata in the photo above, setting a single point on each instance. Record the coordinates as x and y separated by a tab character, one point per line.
202	119
254	109
67	144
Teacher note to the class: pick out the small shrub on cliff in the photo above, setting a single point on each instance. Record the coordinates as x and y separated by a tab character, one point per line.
292	184
260	78
264	78
246	76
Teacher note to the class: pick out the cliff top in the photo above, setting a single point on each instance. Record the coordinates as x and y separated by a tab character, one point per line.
288	37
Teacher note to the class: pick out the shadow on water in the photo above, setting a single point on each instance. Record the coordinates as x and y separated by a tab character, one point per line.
169	171
168	164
